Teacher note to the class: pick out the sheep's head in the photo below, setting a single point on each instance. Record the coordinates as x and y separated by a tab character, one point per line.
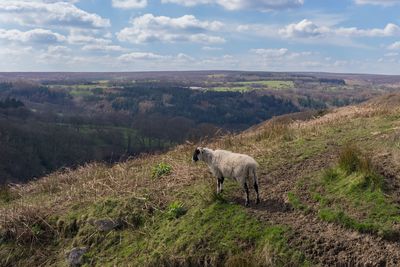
197	154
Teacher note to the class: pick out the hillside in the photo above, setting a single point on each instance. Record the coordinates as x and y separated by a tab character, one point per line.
50	121
330	191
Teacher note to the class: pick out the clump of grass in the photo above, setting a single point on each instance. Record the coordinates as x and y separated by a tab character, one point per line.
349	159
175	210
161	169
276	130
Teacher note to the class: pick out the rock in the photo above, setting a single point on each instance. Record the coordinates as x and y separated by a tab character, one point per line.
105	225
75	256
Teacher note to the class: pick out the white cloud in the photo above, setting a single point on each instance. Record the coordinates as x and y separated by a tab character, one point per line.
58	49
134	56
389	30
270	53
378	2
150	28
52	14
308	29
103	48
129	4
304	28
40	36
85	38
394	46
261	5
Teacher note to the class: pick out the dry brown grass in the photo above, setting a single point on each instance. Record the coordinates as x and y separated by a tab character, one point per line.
56	193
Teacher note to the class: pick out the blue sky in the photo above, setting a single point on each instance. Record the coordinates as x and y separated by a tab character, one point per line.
357	36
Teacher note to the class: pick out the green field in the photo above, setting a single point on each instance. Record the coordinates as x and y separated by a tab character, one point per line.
253	85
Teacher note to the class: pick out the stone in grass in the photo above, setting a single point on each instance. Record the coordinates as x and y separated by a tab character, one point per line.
74	257
105	225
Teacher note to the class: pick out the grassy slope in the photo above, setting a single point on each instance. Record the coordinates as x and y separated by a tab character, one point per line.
46	218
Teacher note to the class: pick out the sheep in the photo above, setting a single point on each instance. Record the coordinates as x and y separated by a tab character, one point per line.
226	164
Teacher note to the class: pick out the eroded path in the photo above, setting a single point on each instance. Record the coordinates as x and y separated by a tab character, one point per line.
323	243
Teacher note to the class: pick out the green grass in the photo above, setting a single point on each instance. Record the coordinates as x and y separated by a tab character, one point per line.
241	89
295	201
274	84
195	229
340	217
353	187
80	92
161	169
253	85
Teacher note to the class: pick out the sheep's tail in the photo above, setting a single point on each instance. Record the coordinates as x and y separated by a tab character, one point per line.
253	174
255	178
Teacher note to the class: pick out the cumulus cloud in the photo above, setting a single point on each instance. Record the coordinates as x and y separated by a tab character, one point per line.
304	28
150	28
40	36
242	4
129	4
308	29
50	14
378	2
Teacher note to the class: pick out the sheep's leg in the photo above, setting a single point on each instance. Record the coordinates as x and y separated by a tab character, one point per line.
258	196
255	184
246	189
221	184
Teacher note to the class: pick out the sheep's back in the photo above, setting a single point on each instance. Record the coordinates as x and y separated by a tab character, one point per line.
233	165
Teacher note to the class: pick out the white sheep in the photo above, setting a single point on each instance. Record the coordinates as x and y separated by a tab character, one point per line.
226	164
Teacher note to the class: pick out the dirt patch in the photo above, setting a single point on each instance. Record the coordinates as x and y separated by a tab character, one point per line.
387	164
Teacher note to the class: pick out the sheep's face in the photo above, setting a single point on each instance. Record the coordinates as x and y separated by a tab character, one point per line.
197	154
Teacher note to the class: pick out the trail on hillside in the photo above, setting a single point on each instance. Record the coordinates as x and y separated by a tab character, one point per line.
325	244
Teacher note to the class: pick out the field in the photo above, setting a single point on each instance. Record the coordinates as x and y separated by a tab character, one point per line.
253	85
329	190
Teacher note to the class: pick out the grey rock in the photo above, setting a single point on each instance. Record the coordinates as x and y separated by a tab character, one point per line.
105	225
75	256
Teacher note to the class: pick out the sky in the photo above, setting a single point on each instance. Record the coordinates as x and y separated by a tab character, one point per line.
349	36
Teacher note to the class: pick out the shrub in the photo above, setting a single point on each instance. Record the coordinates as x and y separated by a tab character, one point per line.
175	210
161	169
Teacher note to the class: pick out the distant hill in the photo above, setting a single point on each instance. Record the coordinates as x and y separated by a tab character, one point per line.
330	190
